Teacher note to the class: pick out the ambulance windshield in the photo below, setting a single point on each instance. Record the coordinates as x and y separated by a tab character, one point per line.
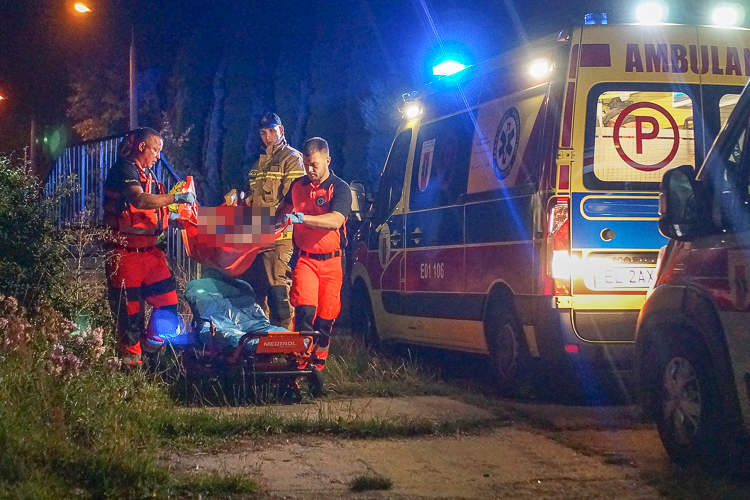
635	135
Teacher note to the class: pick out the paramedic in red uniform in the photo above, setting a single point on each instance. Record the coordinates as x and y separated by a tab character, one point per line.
135	208
318	204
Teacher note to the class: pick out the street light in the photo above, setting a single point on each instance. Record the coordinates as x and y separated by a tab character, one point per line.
84	9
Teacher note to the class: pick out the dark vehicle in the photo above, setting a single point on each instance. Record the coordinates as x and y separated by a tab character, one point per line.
693	333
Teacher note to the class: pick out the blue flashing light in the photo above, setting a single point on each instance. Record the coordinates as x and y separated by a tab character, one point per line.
595	18
448	68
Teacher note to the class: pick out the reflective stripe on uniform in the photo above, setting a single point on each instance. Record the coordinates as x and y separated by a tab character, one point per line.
134	359
321	352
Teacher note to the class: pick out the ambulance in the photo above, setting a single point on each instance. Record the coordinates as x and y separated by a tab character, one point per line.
517	211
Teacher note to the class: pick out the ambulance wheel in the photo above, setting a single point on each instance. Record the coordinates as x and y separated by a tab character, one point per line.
363	318
506	344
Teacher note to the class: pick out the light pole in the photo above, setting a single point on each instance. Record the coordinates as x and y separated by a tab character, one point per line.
84	9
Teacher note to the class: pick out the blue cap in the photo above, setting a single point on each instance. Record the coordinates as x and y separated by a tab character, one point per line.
269	120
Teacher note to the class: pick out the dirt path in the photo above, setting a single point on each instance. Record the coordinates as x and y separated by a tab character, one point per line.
548	452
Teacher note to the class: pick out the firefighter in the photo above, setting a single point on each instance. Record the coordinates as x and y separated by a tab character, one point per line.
318	204
135	208
270	179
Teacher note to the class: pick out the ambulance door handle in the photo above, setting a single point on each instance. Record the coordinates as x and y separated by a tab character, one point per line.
416	236
395	239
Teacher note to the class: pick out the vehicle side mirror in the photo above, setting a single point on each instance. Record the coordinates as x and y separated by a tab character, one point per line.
681	206
361	201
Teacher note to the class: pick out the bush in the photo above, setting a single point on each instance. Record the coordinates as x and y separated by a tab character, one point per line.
32	260
67	418
72	425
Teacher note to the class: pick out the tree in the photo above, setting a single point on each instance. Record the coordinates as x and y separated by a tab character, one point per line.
98	104
214	136
380	117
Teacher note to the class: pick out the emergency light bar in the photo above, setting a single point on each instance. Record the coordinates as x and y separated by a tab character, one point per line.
727	15
651	12
595	18
448	68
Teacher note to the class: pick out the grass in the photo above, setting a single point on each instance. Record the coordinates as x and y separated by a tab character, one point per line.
89	437
371	483
354	370
181	429
99	433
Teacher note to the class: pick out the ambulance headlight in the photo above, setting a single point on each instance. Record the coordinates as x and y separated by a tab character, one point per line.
412	111
727	15
540	68
651	12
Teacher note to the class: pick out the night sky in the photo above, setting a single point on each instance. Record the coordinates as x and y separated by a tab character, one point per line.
42	40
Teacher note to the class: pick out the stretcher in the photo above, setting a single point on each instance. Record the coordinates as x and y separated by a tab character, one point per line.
287	358
230	334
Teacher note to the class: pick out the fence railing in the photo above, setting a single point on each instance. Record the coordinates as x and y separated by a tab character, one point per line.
85	166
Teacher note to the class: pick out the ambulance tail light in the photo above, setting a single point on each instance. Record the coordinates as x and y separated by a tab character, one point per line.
559	263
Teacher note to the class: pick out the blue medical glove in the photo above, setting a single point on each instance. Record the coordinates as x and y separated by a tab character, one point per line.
188	198
174	221
297	218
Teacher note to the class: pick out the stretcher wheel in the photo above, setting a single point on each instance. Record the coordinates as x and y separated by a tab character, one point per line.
315	379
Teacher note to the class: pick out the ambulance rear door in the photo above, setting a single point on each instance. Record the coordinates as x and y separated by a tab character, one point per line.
722	57
640	114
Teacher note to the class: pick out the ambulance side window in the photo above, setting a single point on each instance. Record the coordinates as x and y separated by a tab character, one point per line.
440	171
392	180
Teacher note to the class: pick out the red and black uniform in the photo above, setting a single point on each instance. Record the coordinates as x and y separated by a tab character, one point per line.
137	271
318	273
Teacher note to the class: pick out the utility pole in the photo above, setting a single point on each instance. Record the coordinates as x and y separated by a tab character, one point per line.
32	147
84	9
133	90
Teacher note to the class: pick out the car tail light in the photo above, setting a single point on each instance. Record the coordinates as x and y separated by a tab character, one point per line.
559	262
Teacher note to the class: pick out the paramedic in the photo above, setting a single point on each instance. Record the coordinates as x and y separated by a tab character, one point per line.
318	204
270	178
135	208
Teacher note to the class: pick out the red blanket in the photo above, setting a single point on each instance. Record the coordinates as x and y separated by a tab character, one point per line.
225	238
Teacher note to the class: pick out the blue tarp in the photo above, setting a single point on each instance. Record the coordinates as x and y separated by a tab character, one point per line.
228	304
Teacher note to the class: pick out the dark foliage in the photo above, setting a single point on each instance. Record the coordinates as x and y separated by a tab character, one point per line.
32	259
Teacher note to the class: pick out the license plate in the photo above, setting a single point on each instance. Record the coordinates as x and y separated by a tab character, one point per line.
624	277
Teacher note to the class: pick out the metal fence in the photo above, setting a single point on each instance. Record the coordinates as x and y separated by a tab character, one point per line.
77	181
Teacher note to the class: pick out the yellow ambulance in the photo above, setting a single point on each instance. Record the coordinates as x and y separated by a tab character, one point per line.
517	210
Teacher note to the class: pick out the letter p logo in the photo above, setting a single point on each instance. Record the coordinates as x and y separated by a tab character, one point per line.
640	134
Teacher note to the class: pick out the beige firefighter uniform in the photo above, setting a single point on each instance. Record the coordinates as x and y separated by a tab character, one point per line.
270	275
